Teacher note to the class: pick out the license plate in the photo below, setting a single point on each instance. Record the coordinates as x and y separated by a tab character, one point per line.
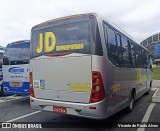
15	84
59	109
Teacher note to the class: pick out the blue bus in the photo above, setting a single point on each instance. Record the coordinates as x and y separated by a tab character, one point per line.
16	68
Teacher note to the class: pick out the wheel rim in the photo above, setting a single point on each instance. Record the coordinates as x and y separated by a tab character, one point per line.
131	104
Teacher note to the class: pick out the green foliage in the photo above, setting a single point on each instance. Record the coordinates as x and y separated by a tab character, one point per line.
156	73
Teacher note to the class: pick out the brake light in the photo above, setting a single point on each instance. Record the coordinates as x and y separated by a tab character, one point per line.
31	85
98	92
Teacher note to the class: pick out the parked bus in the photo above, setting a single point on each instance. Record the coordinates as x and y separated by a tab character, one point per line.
85	66
2	49
16	68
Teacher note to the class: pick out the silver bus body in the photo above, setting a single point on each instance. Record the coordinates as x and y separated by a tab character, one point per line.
84	83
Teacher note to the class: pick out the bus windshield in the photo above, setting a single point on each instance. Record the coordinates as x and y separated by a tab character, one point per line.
17	53
77	37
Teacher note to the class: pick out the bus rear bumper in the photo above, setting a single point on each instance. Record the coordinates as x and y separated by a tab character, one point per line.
16	93
96	110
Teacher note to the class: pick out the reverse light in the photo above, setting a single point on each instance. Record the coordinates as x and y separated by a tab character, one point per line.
97	88
31	85
97	92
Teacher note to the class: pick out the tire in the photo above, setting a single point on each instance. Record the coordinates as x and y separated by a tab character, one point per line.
148	92
131	102
1	91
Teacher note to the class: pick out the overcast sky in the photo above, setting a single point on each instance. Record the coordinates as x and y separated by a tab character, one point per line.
139	18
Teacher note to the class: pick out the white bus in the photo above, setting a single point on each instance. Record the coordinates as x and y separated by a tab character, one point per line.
2	49
85	66
16	68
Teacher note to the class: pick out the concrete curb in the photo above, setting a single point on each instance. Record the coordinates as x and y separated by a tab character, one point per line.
155	98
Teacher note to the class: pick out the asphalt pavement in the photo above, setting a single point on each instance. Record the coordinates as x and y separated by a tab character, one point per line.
17	109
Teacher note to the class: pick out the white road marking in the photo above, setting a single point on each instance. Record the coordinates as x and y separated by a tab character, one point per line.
155	97
15	119
147	115
2	101
13	98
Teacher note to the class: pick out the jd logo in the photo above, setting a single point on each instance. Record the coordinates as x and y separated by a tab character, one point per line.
49	40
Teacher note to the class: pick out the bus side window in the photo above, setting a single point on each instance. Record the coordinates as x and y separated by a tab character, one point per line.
139	56
151	61
119	47
133	54
125	51
112	46
144	58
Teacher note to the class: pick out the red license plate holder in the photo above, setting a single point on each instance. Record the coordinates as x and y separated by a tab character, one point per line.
60	109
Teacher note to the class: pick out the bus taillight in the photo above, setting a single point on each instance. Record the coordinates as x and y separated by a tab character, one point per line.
31	85
98	92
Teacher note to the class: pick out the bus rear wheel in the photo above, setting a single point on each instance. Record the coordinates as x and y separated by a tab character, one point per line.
131	102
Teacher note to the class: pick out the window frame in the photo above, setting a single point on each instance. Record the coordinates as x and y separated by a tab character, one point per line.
137	49
108	45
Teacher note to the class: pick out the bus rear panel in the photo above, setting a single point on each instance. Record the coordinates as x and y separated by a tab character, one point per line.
75	68
66	81
16	68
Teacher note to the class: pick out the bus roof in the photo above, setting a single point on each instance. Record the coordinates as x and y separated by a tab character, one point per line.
19	42
98	16
62	18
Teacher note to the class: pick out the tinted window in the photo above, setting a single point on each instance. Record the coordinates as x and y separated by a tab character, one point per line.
111	36
97	49
139	56
78	37
125	51
112	47
119	49
122	51
17	53
144	58
133	54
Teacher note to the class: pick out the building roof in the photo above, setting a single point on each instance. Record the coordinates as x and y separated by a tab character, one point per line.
151	39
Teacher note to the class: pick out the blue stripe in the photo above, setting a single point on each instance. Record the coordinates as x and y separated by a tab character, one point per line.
16	90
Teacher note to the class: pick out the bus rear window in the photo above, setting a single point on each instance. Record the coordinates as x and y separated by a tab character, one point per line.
71	38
